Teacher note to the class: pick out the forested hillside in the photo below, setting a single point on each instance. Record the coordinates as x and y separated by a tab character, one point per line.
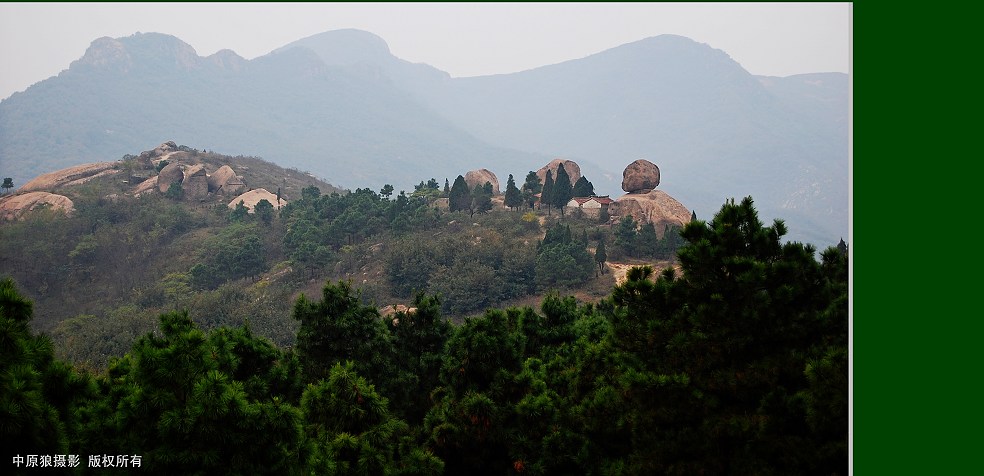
737	363
102	275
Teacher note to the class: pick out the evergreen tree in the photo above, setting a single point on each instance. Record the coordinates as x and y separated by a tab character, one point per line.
175	400
482	198
546	196
353	432
754	326
38	394
238	214
459	197
562	189
531	187
339	328
386	191
419	336
625	236
513	198
310	193
601	256
8	183
447	189
583	188
264	210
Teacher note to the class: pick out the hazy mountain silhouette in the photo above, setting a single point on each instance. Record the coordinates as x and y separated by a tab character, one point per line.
289	107
340	105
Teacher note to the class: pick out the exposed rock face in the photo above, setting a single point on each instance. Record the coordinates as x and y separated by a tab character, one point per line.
145	186
252	197
655	207
170	174
479	177
195	183
225	182
159	151
13	207
70	176
573	170
640	176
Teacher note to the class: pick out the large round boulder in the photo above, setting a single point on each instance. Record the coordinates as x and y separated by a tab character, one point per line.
479	177
640	176
573	170
170	174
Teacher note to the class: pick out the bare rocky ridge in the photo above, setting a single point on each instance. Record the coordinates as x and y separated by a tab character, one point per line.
478	177
573	170
640	176
71	176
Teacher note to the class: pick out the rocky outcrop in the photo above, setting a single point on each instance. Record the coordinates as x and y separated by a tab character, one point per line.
640	176
655	207
225	182
145	186
70	176
573	170
13	207
480	177
252	197
195	183
170	174
159	151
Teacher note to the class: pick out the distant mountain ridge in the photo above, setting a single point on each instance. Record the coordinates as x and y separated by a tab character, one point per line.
341	106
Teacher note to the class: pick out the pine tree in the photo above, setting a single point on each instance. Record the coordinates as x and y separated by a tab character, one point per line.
513	199
8	183
339	328
447	189
758	333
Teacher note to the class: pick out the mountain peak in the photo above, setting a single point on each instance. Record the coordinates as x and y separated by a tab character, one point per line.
139	48
345	47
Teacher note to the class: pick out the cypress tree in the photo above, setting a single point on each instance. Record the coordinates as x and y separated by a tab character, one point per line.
601	255
531	187
546	196
562	189
583	188
513	198
459	197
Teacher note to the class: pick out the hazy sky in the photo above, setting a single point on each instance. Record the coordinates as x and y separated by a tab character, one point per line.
39	40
